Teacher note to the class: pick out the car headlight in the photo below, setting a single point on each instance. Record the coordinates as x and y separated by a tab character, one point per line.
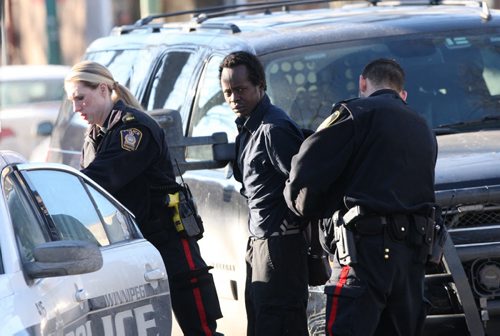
486	277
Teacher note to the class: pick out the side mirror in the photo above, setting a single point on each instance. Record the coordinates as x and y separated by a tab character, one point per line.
64	257
171	122
44	128
224	152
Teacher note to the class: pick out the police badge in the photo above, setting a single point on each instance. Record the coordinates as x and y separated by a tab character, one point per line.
131	138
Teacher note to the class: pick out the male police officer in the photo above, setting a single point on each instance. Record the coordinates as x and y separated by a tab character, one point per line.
372	163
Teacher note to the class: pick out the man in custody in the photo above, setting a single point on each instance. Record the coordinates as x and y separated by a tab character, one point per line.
276	282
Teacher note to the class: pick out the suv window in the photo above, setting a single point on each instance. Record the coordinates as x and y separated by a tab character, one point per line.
459	72
450	78
129	67
211	112
171	81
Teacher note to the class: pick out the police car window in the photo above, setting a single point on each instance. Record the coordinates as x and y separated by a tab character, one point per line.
62	196
211	113
29	233
171	81
115	222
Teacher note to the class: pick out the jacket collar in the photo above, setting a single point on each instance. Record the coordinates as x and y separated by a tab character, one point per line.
252	122
115	115
387	92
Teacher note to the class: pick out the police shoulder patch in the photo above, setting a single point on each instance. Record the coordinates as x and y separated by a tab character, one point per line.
330	120
340	113
130	139
128	117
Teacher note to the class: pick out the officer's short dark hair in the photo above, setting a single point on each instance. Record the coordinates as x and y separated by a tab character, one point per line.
255	69
385	72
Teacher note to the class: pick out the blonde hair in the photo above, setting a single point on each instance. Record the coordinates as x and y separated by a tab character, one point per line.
92	74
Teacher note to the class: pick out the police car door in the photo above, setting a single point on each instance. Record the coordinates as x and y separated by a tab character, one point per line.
29	305
129	295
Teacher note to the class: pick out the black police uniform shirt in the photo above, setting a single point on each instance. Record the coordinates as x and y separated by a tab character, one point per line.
377	153
129	158
265	145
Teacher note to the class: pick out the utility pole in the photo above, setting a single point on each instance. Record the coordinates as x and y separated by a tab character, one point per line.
3	43
53	50
99	20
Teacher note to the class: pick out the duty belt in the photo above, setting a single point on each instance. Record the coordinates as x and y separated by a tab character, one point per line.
368	225
401	226
414	229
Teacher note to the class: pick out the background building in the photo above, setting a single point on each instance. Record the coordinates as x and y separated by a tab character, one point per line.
58	31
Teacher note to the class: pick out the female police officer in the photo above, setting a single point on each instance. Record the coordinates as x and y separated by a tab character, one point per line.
125	151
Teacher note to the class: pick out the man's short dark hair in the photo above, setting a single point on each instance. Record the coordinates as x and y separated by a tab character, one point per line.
255	69
385	72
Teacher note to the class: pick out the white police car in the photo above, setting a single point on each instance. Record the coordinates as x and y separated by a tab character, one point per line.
72	260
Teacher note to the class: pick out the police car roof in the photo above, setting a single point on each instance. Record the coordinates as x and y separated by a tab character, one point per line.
10	157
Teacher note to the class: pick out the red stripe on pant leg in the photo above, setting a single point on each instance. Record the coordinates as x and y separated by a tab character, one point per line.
196	291
335	300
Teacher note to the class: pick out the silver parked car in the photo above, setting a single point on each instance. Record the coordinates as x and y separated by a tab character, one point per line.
30	97
72	260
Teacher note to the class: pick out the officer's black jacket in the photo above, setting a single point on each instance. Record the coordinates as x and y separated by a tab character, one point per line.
129	158
376	152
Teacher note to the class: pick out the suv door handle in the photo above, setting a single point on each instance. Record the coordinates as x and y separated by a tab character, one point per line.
154	275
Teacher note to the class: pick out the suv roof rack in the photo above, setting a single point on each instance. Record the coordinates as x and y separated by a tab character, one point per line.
236	8
202	14
485	11
266	6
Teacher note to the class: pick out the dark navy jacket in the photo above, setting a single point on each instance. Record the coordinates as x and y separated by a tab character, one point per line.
376	152
129	158
266	143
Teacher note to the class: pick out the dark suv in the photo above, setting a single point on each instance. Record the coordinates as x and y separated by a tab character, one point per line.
312	58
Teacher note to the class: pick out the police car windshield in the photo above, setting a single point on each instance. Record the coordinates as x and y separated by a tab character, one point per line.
449	78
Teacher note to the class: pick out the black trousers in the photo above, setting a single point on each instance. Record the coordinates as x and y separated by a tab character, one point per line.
194	298
276	286
377	295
